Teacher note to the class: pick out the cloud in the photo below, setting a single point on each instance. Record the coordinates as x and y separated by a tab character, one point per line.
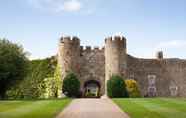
72	5
171	44
57	5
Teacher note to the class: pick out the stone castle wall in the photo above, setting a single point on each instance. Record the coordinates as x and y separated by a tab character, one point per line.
166	76
92	63
155	77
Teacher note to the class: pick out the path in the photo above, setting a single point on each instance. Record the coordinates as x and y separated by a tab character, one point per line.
92	108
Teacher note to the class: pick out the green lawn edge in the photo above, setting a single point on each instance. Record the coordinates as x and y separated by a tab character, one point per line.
153	107
33	108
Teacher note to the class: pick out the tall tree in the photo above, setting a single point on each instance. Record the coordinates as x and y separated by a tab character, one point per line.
13	65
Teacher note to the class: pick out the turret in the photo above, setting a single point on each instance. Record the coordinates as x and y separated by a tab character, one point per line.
159	55
69	54
115	57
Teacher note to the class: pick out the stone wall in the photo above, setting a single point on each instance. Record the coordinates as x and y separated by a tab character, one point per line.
92	67
166	76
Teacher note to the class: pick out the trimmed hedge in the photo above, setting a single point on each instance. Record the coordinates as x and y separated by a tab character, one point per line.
71	85
116	87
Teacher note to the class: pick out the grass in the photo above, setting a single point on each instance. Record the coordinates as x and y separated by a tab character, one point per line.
153	107
32	108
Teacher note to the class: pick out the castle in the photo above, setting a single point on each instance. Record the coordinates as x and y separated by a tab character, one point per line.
155	77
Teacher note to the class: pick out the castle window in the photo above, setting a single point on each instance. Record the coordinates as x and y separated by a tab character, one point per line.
151	80
152	85
152	91
173	89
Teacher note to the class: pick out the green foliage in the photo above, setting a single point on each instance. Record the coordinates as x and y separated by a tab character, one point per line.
71	85
58	82
132	88
13	65
91	95
116	87
54	85
36	84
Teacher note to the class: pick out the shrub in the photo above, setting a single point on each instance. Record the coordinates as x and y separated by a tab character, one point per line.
132	88
116	87
71	85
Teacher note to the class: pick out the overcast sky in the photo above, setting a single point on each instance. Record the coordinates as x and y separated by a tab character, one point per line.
148	25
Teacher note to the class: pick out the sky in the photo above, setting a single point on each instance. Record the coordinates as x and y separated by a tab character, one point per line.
148	25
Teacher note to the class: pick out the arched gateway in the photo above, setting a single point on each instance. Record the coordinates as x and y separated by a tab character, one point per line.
92	88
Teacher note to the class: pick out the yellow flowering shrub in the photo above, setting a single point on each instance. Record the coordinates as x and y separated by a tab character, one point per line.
132	88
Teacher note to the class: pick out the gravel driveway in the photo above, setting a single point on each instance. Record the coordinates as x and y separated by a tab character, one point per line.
92	108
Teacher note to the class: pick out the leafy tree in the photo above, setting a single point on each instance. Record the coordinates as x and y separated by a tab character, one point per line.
38	81
13	65
132	88
116	87
71	85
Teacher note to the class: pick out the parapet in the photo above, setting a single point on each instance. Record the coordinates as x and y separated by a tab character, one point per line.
70	40
90	49
117	40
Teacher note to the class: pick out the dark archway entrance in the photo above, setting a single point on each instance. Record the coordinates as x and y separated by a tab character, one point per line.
92	89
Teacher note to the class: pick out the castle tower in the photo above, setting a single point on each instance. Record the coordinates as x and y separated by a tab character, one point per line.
69	54
115	57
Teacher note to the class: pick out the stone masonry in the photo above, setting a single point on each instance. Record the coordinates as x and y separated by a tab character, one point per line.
156	77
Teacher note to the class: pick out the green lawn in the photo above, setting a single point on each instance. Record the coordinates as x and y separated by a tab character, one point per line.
153	107
32	108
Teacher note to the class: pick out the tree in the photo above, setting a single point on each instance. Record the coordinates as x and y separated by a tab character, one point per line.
132	88
116	87
71	85
13	65
39	81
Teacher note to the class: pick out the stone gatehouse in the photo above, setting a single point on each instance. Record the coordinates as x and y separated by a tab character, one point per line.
156	77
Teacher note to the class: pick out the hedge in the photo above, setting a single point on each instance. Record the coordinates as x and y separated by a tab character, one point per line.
116	87
71	85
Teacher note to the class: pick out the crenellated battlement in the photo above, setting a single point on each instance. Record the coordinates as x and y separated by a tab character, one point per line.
70	40
115	39
89	48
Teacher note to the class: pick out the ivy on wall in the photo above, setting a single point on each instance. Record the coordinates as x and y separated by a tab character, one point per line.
42	81
54	85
